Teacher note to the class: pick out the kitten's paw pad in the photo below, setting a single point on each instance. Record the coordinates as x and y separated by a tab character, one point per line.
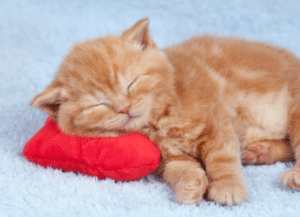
263	158
257	148
191	188
227	192
291	179
248	157
256	153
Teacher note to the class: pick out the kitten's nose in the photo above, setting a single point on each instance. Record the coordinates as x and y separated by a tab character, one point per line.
125	110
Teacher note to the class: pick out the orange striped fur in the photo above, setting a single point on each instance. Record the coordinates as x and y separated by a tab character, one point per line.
209	104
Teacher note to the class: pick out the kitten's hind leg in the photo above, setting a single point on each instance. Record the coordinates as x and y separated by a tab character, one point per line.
291	178
267	152
186	177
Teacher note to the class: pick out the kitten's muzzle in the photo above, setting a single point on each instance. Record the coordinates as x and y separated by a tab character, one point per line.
125	110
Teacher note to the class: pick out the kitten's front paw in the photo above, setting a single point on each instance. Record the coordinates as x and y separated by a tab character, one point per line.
227	192
187	179
191	187
291	178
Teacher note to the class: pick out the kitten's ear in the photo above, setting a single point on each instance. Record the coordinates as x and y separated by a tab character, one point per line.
49	100
139	33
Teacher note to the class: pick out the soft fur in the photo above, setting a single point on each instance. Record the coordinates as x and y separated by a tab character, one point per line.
207	103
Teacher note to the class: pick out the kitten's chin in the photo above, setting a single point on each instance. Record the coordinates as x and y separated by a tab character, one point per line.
135	124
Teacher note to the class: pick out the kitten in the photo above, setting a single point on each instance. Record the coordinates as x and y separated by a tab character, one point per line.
210	100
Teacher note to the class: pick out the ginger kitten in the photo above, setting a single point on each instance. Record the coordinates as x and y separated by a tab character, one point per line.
210	100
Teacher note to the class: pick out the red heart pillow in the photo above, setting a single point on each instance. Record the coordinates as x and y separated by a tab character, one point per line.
124	158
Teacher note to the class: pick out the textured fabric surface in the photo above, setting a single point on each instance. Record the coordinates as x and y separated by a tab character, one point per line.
34	37
124	158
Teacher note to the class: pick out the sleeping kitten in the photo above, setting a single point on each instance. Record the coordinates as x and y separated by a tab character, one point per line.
210	100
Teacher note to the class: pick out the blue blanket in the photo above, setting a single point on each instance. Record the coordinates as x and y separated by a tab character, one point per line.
34	37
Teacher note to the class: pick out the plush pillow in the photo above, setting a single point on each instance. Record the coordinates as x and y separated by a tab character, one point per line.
124	158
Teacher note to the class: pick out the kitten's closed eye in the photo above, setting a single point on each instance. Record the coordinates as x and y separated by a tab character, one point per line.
100	104
131	85
150	82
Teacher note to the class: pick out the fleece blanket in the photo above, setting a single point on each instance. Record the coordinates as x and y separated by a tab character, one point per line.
34	37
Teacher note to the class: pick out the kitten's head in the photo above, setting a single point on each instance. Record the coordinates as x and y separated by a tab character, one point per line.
110	84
